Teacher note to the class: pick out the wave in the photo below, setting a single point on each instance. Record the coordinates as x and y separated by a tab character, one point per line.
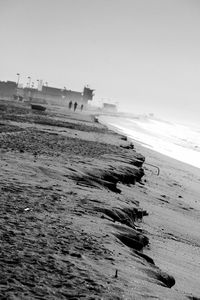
178	141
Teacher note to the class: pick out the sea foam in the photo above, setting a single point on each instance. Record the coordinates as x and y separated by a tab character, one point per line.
178	141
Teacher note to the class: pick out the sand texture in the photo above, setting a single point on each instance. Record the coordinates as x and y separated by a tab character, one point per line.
83	215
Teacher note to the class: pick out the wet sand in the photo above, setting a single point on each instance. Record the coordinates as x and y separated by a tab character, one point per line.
83	217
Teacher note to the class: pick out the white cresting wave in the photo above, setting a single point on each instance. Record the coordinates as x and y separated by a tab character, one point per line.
172	139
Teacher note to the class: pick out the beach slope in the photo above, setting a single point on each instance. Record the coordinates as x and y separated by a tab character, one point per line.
82	217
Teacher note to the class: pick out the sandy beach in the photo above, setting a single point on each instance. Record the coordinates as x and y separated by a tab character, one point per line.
84	216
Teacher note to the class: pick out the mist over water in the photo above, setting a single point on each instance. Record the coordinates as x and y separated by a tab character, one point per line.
172	139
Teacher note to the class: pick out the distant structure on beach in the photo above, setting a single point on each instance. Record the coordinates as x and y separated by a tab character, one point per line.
45	94
108	107
7	89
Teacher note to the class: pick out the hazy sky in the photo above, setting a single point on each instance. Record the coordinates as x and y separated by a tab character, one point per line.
144	54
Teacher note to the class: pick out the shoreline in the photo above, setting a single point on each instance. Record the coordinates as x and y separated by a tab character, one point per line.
178	181
177	193
79	214
151	147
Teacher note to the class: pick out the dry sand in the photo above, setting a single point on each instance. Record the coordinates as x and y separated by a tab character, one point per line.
79	219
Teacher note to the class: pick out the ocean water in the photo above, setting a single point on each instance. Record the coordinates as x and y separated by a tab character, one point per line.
181	142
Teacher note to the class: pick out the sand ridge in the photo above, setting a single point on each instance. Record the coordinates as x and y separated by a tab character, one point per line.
77	213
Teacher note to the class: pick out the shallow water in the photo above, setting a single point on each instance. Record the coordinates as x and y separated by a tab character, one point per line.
172	139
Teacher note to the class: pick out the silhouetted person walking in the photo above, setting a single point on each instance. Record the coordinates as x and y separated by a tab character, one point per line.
75	106
81	107
70	104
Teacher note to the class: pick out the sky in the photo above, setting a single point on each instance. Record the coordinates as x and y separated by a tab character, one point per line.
142	54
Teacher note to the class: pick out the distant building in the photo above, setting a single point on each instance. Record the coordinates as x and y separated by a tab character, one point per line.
108	107
88	94
63	97
45	94
7	89
151	115
73	96
32	95
40	85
